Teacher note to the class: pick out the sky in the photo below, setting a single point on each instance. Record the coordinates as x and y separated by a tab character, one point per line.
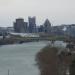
57	11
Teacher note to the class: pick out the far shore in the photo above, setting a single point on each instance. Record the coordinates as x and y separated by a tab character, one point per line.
20	40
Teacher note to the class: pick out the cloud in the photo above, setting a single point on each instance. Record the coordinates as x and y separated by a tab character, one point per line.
5	2
61	11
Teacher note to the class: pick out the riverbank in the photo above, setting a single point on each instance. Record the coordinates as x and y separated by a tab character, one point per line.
46	60
20	40
54	61
16	40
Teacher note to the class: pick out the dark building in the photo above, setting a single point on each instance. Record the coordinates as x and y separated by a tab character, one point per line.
41	28
20	26
10	29
47	26
32	24
70	31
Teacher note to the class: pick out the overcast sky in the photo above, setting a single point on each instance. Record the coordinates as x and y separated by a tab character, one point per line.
57	11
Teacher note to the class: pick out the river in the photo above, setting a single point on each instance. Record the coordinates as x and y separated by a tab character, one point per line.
20	59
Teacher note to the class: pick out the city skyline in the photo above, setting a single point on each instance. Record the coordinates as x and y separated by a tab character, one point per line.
57	11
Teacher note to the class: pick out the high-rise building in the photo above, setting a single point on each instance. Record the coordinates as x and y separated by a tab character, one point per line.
20	26
32	24
47	26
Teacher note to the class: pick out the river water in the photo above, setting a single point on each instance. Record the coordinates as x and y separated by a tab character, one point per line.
20	59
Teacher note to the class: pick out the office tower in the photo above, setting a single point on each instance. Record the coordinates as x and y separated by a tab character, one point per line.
32	24
20	26
47	26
